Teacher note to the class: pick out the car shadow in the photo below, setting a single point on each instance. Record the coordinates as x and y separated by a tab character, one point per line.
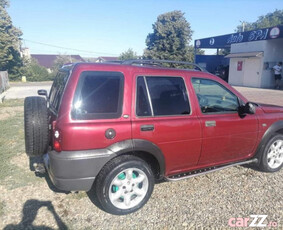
29	213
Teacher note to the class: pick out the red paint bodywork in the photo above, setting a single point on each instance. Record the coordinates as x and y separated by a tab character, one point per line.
184	140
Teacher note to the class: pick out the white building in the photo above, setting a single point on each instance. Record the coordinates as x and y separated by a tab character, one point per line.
251	63
252	55
24	51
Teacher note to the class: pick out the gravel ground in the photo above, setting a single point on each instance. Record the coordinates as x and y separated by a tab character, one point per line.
204	202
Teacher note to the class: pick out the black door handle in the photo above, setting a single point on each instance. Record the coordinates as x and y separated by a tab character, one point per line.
147	127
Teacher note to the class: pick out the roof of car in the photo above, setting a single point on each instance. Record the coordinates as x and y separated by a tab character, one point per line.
142	65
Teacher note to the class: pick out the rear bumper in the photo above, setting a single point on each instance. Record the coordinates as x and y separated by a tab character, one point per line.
75	170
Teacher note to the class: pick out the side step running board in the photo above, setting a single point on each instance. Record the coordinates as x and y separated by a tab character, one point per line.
204	171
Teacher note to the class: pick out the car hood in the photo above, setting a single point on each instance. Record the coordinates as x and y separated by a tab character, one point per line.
271	108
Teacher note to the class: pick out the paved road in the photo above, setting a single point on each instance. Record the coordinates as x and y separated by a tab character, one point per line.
22	90
268	96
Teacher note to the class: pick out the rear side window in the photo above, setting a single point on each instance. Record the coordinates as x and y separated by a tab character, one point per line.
57	90
99	95
168	96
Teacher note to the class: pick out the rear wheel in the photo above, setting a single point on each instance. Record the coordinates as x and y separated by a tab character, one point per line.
124	185
36	126
272	156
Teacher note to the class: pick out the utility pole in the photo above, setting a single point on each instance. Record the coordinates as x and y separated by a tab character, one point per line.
243	25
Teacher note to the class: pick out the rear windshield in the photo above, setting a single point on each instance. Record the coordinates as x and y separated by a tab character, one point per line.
99	95
57	90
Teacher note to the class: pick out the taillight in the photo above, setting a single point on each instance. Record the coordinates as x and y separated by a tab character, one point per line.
56	145
56	138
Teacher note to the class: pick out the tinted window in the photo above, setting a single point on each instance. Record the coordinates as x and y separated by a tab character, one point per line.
213	97
168	96
142	103
99	95
57	89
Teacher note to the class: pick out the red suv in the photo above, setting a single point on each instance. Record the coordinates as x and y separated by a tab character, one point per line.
115	129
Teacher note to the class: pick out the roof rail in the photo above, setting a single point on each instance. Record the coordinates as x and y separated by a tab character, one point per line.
160	62
115	61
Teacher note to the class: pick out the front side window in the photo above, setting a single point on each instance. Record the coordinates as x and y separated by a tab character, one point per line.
99	95
168	96
213	97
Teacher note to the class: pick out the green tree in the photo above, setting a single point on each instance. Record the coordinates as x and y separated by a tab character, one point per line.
62	60
4	3
10	58
271	19
224	51
127	55
35	72
170	38
59	62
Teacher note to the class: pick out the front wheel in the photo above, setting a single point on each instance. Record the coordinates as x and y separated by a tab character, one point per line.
272	156
124	185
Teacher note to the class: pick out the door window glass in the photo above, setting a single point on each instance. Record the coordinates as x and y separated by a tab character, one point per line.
168	96
99	95
57	90
142	102
213	97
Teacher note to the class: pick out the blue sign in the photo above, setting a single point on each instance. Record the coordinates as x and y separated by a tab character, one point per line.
225	41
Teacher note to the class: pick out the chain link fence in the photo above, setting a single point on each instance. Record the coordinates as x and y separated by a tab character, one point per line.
4	81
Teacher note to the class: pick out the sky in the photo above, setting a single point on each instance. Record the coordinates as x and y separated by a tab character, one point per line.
93	28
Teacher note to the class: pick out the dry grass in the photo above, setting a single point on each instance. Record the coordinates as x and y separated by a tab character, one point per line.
12	146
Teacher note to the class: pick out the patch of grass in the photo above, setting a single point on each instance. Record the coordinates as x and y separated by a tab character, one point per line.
11	142
11	145
12	103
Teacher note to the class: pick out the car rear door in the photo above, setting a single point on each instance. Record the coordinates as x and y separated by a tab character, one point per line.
226	136
99	110
162	115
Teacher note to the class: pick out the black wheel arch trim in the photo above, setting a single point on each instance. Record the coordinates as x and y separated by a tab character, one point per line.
278	125
76	170
140	145
147	146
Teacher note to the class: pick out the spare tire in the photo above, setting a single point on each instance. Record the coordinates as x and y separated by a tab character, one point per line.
36	126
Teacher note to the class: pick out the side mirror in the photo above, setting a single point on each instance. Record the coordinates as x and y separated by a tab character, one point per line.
248	108
42	92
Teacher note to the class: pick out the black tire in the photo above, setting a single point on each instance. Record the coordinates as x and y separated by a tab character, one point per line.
36	126
265	164
110	171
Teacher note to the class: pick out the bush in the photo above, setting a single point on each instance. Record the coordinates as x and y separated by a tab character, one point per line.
35	72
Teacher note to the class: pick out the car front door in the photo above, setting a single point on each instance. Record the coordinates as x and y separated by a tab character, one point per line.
163	116
226	136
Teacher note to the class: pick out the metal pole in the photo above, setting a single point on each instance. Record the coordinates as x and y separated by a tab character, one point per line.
243	26
195	53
